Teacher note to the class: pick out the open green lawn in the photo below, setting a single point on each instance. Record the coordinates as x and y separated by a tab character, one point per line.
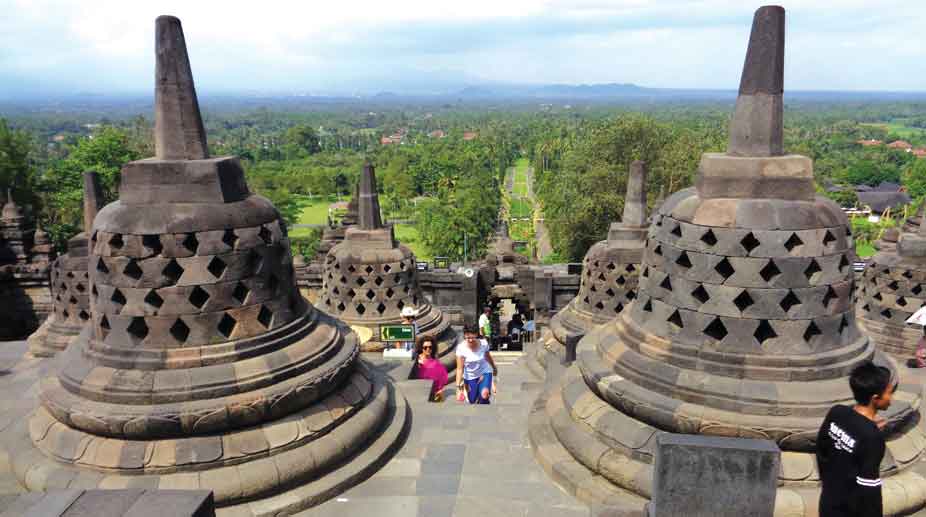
314	211
521	208
899	129
520	178
865	249
408	235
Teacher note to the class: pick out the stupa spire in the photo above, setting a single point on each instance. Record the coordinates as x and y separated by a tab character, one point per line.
368	201
93	198
756	129
635	200
178	126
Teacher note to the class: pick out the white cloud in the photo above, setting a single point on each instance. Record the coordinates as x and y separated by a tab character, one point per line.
291	45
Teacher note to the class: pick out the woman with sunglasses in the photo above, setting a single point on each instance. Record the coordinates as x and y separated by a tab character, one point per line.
429	367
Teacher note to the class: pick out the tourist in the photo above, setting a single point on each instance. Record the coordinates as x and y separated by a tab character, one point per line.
408	318
476	371
428	367
515	326
850	446
485	323
919	357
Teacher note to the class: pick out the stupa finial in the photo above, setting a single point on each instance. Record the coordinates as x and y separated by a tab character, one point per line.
635	199
368	201
178	126
93	198
756	129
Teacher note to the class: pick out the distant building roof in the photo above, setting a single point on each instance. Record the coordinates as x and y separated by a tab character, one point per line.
386	140
881	201
868	143
900	144
438	133
919	153
470	135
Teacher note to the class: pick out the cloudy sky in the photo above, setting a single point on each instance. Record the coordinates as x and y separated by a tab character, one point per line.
362	46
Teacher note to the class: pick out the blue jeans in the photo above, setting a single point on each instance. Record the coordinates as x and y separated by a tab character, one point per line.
475	386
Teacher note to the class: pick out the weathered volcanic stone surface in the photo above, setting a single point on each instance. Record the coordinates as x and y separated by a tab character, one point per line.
25	261
707	476
743	325
369	278
892	289
126	503
202	366
610	273
70	283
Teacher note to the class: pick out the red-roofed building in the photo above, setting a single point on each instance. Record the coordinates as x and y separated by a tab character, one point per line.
900	144
919	153
470	135
869	143
387	140
438	133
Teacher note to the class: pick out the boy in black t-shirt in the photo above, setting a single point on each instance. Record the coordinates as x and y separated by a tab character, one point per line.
850	447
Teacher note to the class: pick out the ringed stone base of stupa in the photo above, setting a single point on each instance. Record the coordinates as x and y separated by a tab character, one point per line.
594	432
52	337
279	467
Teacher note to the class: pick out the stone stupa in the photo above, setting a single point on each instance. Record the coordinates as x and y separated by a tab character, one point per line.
743	325
203	368
893	287
610	271
70	283
369	278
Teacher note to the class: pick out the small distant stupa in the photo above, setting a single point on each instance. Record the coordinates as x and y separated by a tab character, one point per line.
370	278
610	272
70	283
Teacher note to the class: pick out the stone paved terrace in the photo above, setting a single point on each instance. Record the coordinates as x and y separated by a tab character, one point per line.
459	460
464	461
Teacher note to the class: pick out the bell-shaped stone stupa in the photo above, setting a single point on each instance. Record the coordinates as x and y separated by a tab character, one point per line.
369	278
610	272
893	287
743	325
70	283
203	367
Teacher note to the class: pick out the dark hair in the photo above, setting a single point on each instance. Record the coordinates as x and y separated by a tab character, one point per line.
419	345
470	329
868	380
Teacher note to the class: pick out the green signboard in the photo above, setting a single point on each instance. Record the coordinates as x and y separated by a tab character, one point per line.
396	333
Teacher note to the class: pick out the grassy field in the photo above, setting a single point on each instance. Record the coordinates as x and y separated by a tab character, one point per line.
865	249
408	235
900	130
521	208
520	178
314	211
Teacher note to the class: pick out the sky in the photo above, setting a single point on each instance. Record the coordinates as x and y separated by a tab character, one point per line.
422	46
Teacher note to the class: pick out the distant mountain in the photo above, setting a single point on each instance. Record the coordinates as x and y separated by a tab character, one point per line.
552	91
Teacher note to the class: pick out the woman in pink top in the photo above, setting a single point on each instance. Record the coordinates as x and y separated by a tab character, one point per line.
429	367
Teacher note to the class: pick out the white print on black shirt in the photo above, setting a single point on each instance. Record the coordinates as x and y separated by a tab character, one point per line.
841	439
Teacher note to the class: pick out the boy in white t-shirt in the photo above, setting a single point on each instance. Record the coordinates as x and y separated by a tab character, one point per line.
476	369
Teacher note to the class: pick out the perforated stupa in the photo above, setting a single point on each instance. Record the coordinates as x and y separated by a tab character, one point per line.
203	366
743	325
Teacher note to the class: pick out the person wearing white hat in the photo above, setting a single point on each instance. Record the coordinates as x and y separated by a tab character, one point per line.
408	318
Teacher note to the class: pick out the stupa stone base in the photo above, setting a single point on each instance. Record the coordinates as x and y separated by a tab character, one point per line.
280	466
591	428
